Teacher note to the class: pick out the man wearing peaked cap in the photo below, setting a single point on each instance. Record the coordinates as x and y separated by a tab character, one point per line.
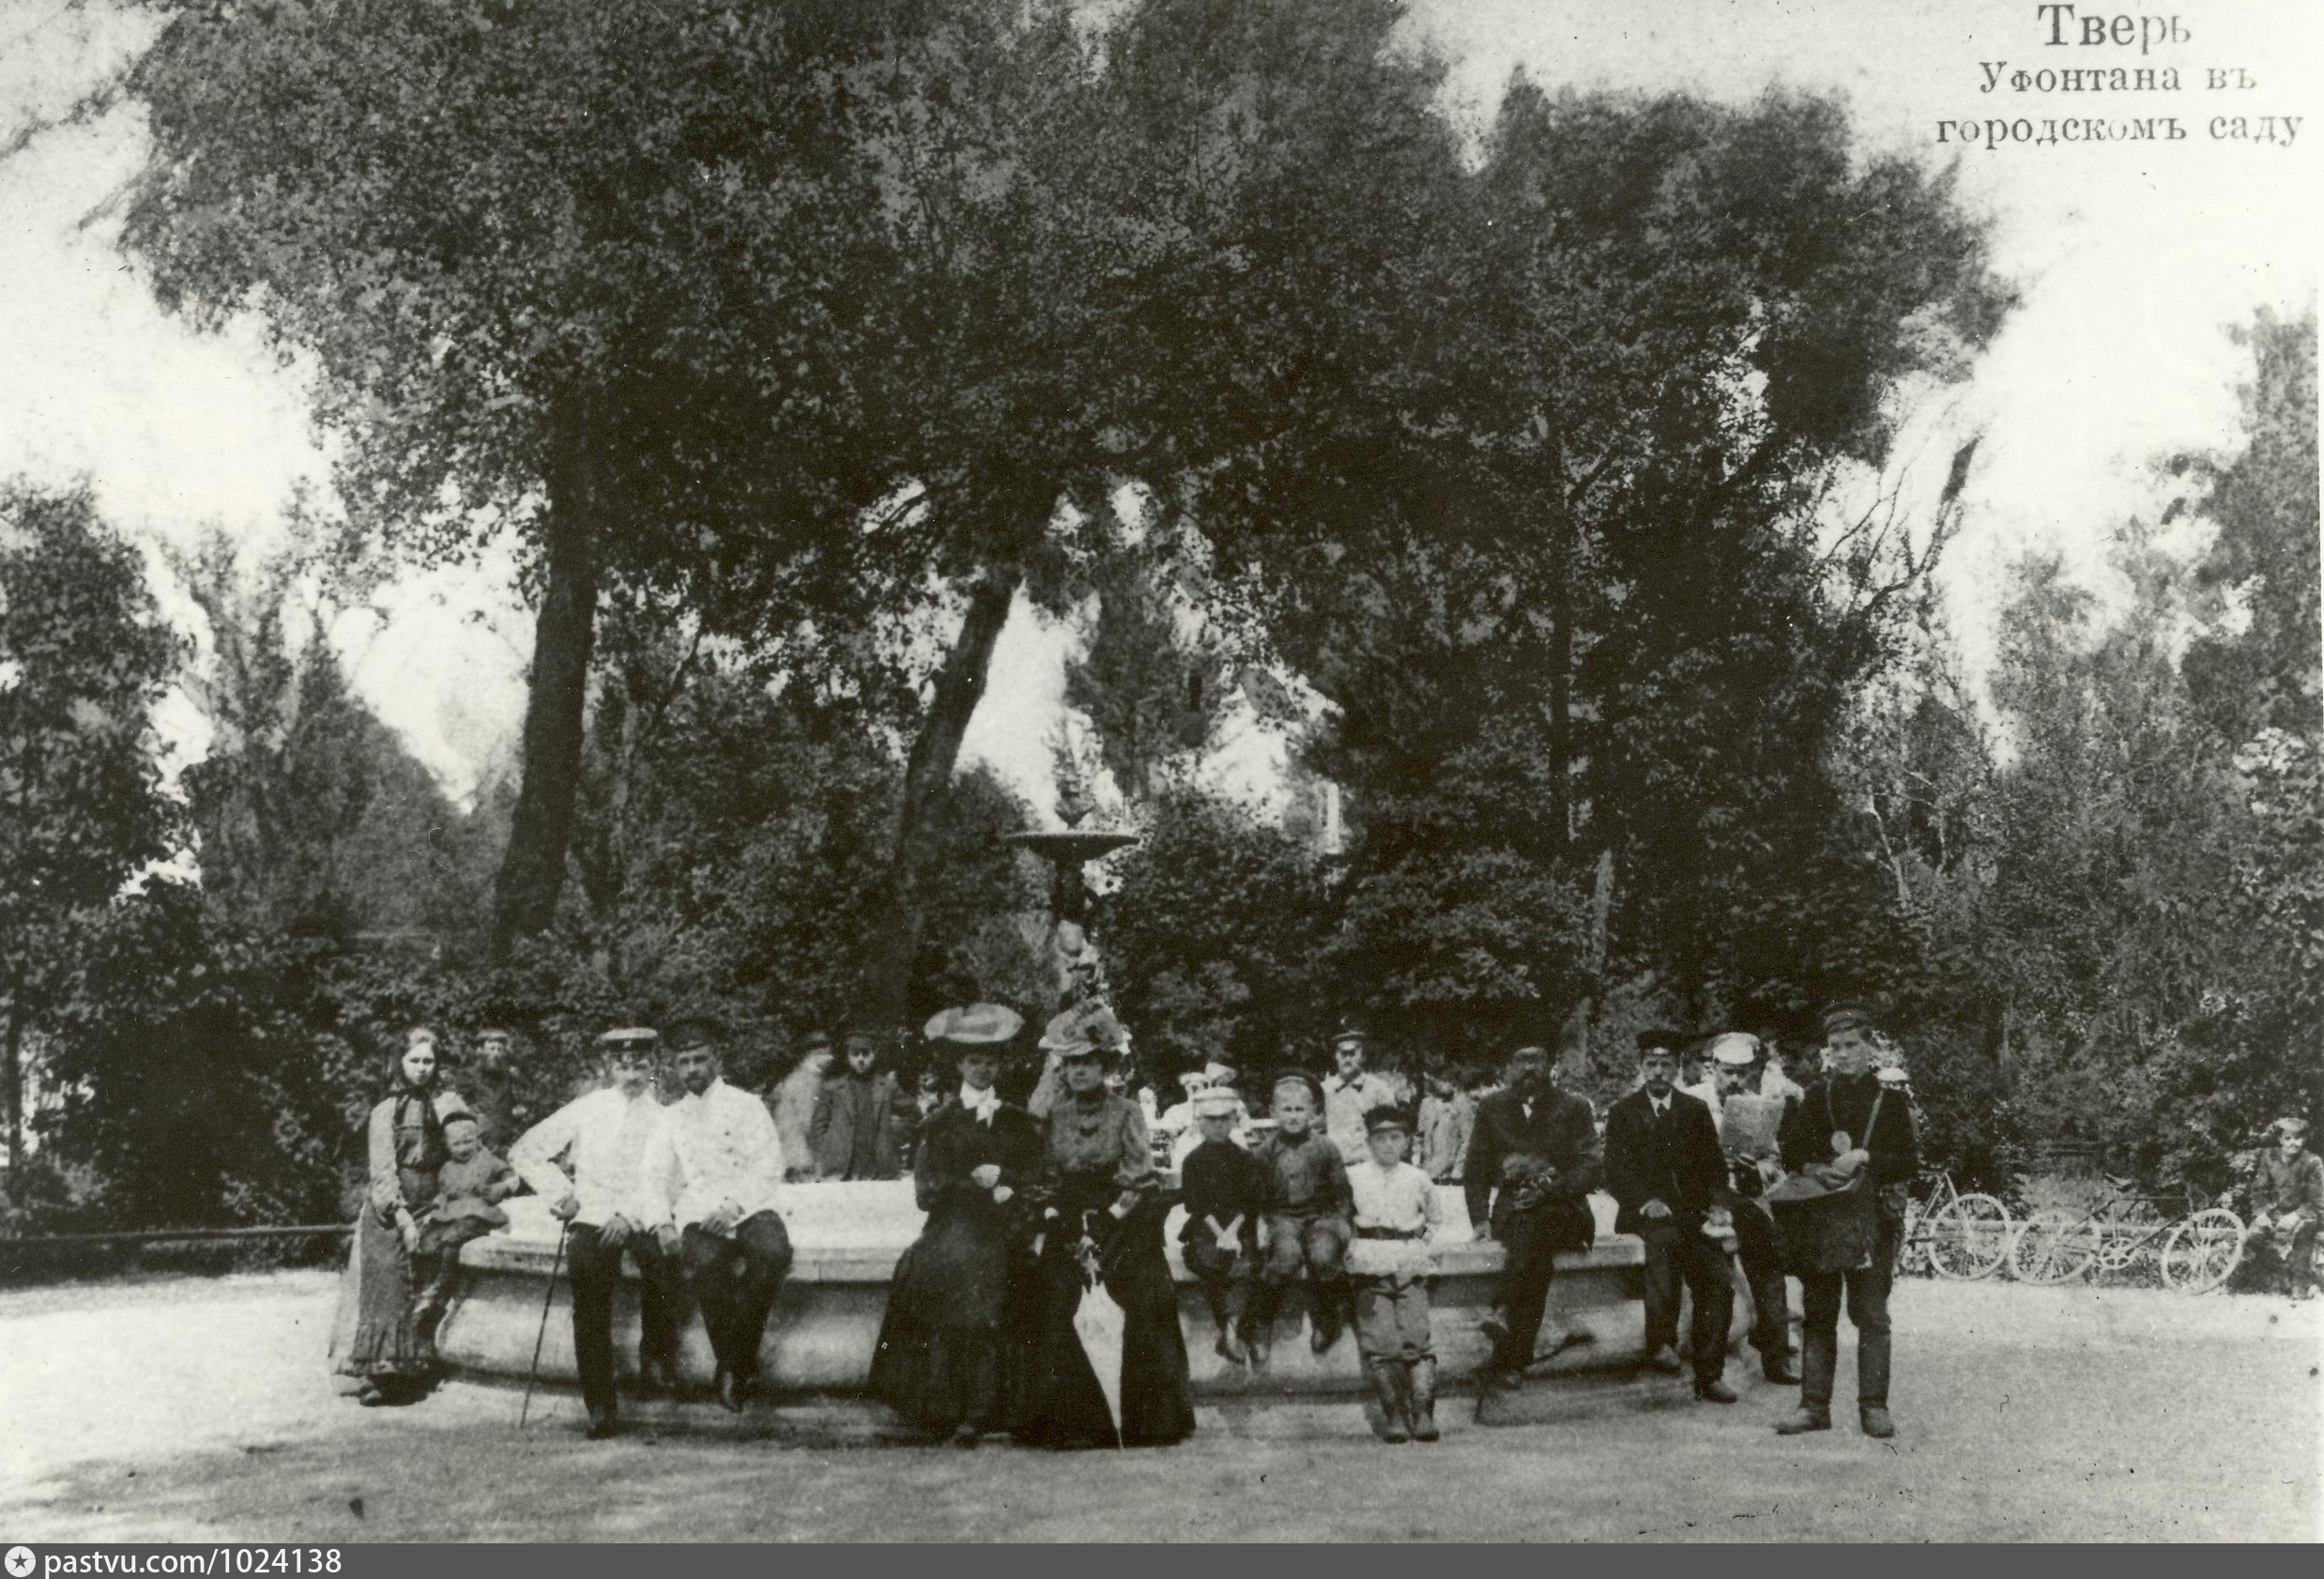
1533	1157
1351	1091
601	1139
1847	1125
1748	1125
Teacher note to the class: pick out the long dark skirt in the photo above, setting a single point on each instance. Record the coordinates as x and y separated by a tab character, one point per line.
935	1370
1064	1406
385	1344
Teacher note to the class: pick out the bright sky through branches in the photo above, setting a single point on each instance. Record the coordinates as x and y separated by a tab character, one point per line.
2134	258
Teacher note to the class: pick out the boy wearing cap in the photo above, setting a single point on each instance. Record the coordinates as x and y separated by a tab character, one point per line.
861	1119
1395	1218
1845	1125
1307	1218
2290	1197
1447	1118
602	1138
1225	1189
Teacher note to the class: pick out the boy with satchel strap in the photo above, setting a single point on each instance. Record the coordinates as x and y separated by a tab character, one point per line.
1860	1148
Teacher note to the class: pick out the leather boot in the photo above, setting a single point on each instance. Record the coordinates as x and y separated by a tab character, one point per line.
1387	1377
1807	1418
1323	1317
1423	1385
1228	1347
1259	1326
1819	1362
1871	1369
657	1377
1875	1420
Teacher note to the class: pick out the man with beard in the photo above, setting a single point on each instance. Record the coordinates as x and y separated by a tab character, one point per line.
1843	1125
1747	1124
603	1136
1533	1161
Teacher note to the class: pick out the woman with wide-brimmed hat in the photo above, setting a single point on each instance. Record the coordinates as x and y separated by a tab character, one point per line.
944	1360
1102	1226
389	1348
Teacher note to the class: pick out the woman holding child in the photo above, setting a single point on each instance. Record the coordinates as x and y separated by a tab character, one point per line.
1103	1224
388	1349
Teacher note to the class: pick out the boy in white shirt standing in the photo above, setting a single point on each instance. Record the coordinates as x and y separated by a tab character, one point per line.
1391	1261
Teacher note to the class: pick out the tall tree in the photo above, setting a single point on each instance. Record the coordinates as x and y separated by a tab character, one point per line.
590	276
84	658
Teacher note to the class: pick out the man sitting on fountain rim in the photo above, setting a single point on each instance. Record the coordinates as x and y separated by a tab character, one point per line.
605	1136
713	1177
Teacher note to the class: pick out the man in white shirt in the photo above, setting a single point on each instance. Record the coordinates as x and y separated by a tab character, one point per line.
1753	1163
713	1177
1351	1092
603	1136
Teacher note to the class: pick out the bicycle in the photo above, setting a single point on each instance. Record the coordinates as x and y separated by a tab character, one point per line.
1955	1236
2194	1253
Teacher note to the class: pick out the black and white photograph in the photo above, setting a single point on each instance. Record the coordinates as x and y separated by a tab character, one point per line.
1158	771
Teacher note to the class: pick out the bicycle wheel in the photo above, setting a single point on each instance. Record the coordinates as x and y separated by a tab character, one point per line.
1969	1237
2053	1247
2203	1251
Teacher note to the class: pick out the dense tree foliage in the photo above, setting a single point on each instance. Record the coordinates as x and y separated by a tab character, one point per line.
84	658
1539	490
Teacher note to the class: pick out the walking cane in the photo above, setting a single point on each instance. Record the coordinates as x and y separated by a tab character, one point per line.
539	1338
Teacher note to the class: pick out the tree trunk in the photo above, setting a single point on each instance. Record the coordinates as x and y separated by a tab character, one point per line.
892	941
1561	657
532	871
14	1074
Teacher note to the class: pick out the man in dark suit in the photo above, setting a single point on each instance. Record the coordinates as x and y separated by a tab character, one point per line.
1665	1169
1533	1161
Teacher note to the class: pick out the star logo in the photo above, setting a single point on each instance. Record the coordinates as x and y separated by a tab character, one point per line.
20	1561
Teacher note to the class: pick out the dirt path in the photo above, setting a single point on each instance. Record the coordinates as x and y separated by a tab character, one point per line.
199	1409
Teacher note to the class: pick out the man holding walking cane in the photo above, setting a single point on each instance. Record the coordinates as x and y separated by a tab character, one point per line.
603	1136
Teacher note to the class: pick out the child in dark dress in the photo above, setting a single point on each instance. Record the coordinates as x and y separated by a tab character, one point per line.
1225	1189
469	1191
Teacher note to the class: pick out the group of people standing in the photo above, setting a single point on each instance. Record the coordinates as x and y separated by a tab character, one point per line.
1030	1207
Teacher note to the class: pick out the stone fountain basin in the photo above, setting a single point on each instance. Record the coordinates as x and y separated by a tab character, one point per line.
847	1238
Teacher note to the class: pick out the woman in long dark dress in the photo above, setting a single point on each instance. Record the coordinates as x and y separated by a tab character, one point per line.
389	1350
1104	1218
942	1360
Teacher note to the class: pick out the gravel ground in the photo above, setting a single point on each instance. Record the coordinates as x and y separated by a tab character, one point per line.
199	1409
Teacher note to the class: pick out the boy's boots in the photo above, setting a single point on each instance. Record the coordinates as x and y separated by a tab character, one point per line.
1388	1384
1423	1388
1222	1316
1259	1324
